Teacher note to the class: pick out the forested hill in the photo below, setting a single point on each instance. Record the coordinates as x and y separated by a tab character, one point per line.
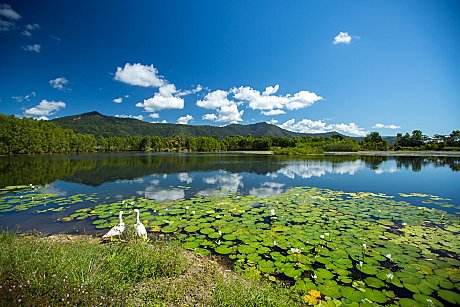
108	126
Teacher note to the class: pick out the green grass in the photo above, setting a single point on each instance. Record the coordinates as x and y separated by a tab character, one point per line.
64	270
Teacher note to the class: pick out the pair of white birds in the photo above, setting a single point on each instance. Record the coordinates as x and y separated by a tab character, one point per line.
118	229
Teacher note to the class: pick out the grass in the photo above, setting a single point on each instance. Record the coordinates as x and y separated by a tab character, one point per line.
79	270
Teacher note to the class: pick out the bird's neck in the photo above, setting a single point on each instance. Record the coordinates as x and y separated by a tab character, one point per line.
137	218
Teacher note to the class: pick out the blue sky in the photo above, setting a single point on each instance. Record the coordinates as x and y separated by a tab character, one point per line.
307	66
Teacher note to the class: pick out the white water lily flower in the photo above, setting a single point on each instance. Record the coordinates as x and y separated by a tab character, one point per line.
295	250
274	243
219	232
389	257
272	212
430	302
361	264
218	242
313	276
390	276
186	208
364	245
404	224
321	236
326	234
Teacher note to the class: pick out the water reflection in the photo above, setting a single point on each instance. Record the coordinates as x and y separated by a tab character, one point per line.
158	194
175	176
267	189
308	169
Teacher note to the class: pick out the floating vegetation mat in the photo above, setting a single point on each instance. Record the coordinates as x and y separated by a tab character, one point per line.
22	198
332	247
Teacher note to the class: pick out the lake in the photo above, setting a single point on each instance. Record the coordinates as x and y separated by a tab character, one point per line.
164	177
353	229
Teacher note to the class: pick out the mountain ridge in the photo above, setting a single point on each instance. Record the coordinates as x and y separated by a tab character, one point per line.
108	126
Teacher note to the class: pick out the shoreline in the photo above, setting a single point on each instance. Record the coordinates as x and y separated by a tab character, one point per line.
266	152
398	153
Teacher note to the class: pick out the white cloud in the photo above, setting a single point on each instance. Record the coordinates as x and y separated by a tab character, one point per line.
24	98
11	16
198	89
28	29
209	116
273	112
33	48
214	100
167	97
139	117
270	90
164	121
118	100
139	75
342	38
184	119
319	126
273	105
154	115
45	108
301	100
7	11
164	99
6	25
227	110
382	126
32	27
272	121
59	83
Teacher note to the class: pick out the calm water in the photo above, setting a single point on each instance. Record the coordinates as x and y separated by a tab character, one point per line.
175	176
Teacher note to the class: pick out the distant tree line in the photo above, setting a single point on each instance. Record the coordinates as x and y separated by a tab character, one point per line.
30	136
418	141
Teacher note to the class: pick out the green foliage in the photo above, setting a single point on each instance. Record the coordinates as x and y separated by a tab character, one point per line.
418	141
373	141
346	145
314	145
30	136
64	270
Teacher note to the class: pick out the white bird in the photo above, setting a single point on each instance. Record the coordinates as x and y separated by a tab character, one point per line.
140	228
116	230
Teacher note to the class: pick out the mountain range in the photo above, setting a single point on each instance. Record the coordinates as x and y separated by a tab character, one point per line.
107	126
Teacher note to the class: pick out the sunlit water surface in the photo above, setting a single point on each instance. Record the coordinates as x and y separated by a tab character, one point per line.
164	177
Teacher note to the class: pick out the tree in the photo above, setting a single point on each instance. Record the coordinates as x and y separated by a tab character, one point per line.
374	141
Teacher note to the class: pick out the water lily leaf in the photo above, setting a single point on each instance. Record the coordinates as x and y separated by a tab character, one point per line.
323	274
449	296
424	299
191	228
375	296
292	272
374	282
224	250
